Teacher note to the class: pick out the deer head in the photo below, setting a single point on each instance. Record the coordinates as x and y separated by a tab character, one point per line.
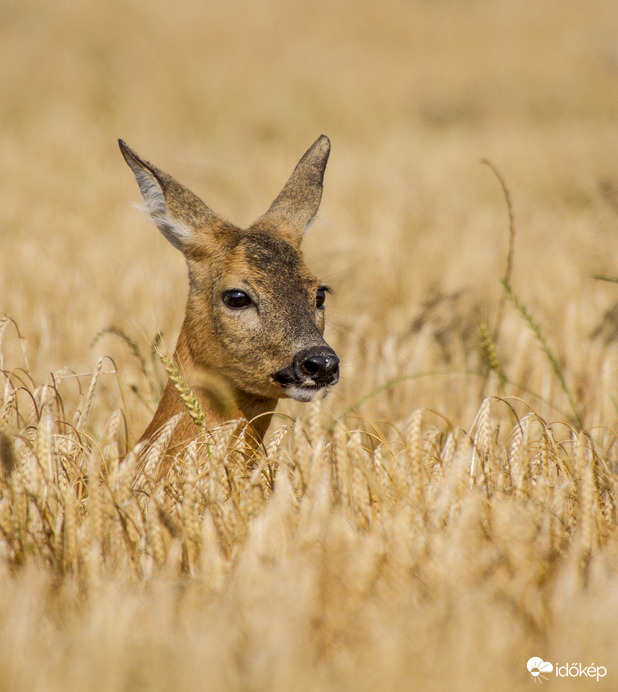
255	313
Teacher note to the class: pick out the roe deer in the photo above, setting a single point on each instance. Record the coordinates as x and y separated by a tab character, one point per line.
255	314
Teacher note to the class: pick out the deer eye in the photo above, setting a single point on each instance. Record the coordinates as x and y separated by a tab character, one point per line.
237	300
320	297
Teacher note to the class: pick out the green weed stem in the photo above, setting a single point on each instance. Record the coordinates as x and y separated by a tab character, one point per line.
540	337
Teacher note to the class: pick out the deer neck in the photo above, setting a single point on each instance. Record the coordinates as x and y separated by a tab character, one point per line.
257	411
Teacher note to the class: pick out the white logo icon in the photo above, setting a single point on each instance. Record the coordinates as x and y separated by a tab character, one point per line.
539	669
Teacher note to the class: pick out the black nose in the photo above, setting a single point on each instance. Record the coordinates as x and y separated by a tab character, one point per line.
319	363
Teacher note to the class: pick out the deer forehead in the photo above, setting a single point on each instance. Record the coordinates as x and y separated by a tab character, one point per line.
273	259
269	264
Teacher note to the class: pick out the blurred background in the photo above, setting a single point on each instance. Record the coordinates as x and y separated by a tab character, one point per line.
413	229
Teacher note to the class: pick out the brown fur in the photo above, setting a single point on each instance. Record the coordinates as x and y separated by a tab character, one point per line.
243	348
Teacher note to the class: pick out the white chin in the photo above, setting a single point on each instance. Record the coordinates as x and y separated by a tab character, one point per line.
304	393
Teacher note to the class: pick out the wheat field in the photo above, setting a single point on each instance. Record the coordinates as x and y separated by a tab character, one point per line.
448	512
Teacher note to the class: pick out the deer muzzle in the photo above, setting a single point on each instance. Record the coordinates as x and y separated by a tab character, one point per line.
312	369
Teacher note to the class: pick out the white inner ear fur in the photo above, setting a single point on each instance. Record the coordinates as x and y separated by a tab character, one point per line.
174	230
310	223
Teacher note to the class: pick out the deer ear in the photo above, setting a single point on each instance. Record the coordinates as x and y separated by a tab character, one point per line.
178	213
298	202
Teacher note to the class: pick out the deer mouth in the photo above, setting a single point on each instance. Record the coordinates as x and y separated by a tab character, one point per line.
312	371
305	392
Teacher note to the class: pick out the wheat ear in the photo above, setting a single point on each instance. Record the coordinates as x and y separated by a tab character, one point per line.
186	393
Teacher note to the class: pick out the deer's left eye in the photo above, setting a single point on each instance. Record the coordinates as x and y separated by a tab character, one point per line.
320	297
236	299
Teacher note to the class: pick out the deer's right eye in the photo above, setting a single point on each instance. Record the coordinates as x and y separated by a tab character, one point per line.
236	299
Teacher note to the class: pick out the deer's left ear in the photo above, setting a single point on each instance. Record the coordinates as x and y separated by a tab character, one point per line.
298	202
180	215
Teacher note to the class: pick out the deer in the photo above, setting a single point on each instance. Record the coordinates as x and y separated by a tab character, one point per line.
255	314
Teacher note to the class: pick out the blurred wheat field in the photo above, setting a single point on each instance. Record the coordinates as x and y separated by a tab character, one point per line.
449	510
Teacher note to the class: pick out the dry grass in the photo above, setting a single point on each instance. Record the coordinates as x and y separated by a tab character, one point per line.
450	510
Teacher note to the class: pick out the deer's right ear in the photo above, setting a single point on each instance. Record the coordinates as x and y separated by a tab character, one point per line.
179	214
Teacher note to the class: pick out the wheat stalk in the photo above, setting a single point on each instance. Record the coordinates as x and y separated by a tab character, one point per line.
416	468
82	416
